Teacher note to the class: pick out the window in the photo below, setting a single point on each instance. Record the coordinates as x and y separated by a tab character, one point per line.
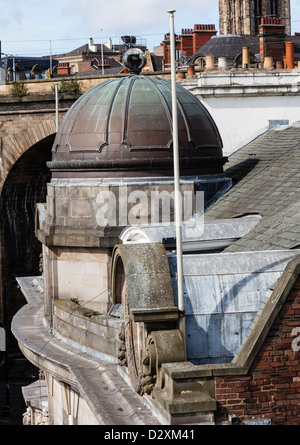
276	123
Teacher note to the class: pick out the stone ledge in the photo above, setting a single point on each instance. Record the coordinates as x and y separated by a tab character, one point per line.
89	374
97	332
187	370
154	314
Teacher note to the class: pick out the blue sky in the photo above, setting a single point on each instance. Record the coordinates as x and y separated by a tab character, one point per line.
28	27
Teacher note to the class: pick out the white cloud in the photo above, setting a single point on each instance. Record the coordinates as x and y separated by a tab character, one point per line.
73	19
145	17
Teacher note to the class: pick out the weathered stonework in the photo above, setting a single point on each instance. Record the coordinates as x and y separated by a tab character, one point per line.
243	17
78	240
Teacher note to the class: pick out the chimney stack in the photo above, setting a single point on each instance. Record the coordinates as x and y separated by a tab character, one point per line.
92	47
290	55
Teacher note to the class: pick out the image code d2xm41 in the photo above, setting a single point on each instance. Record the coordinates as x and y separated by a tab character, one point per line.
171	434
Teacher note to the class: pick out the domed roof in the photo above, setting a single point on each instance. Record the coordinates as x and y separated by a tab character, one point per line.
123	127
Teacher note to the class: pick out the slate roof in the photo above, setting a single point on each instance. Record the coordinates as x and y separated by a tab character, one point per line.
29	62
115	67
266	181
228	46
86	49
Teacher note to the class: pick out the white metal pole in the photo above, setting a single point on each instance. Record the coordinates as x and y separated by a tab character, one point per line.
178	201
102	59
50	57
56	106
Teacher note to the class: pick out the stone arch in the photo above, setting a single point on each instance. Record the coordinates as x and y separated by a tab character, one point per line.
23	184
36	72
239	59
17	141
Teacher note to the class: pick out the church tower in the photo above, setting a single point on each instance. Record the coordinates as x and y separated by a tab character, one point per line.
244	16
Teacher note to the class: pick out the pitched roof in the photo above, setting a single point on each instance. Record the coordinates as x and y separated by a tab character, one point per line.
115	67
85	49
228	46
266	181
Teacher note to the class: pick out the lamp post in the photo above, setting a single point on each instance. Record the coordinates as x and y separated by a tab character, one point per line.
56	106
50	57
102	59
178	201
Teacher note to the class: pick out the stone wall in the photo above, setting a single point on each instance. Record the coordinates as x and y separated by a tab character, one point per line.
83	325
255	96
46	86
79	274
243	17
80	228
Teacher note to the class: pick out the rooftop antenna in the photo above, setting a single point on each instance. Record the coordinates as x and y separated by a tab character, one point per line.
178	218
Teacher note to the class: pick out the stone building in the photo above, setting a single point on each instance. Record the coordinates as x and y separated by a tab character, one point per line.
26	68
111	156
90	59
187	43
101	323
244	17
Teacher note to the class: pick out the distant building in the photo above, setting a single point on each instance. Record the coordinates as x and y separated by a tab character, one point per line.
26	68
244	17
90	58
93	58
270	43
186	44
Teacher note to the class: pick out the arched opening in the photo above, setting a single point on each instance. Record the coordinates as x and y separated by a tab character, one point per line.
239	60
274	8
257	14
25	186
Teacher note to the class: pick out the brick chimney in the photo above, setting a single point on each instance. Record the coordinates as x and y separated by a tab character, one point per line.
167	50
201	35
186	42
271	39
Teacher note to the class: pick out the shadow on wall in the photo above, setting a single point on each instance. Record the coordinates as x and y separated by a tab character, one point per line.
24	187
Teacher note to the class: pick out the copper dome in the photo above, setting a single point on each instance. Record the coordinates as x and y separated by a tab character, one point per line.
123	127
